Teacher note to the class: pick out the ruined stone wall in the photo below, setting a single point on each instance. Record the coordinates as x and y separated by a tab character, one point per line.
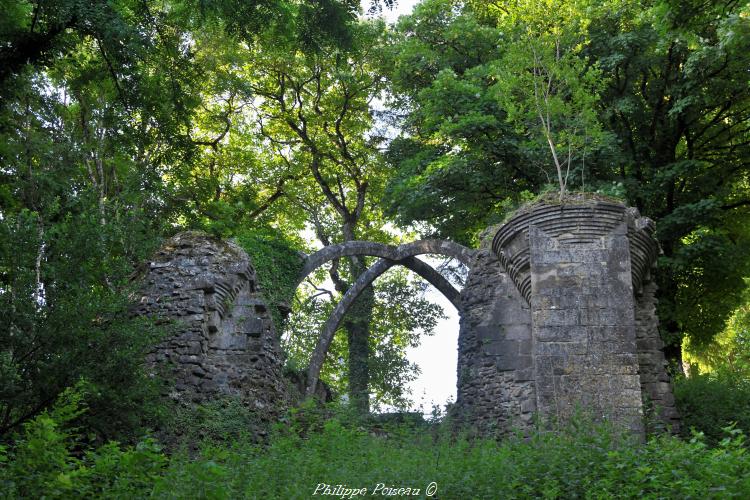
562	317
559	314
223	340
656	386
495	367
582	311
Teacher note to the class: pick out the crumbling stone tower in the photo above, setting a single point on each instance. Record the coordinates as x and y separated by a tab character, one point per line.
560	314
224	342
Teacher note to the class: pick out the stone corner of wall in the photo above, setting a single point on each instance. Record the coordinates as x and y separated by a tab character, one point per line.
222	341
565	301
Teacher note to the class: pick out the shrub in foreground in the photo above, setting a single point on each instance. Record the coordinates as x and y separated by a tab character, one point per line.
584	460
49	460
591	462
708	403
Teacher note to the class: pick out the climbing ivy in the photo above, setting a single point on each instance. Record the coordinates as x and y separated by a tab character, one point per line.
277	262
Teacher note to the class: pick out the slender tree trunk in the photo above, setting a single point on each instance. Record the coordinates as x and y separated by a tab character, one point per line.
357	321
670	329
357	326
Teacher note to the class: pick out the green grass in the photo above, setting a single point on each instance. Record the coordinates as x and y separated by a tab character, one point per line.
581	461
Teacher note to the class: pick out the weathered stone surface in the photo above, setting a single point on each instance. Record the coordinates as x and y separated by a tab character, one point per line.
656	386
224	340
557	317
585	352
563	317
495	367
573	223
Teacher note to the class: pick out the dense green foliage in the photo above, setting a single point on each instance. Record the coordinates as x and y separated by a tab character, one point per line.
547	465
73	228
652	96
123	122
401	316
717	393
277	265
581	461
711	402
114	133
47	460
218	421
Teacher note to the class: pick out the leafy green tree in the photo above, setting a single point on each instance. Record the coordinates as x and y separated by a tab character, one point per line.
37	32
401	316
678	104
108	121
176	126
73	225
282	136
459	160
547	88
312	110
672	114
728	352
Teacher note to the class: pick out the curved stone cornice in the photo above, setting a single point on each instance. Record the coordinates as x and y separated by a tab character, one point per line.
584	222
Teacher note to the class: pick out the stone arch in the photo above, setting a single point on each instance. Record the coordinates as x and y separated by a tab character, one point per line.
391	252
404	255
365	280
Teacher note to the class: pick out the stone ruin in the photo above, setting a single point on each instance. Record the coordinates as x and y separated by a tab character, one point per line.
558	313
224	341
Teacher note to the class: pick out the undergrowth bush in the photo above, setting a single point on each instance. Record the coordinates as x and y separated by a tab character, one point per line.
50	460
581	461
710	402
219	421
593	462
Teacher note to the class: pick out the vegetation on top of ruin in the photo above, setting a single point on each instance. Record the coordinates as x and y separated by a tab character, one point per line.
553	197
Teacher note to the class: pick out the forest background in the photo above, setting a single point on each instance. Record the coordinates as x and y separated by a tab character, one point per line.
289	125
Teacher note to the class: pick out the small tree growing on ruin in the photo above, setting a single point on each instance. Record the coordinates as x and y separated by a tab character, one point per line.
547	87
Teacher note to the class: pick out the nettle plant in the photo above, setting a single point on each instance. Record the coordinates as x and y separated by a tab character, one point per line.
546	85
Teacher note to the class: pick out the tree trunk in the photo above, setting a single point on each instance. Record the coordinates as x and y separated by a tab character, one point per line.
669	327
357	326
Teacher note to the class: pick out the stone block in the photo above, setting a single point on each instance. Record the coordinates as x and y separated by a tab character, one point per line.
513	363
528	405
555	317
516	331
487	333
560	334
525	347
214	321
193	348
572	265
560	349
507	348
251	326
524	375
